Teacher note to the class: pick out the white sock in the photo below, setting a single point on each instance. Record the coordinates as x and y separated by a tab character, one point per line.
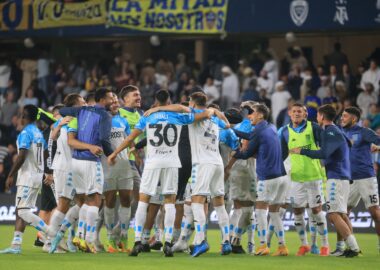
109	219
32	219
82	221
169	221
223	221
71	233
92	216
351	243
234	220
99	224
17	239
187	222
340	245
252	228
312	227
278	227
124	218
299	223
55	222
262	224
145	236
321	223
141	213
199	221
176	234
244	221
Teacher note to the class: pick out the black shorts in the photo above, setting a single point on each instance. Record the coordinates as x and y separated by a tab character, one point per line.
184	174
48	201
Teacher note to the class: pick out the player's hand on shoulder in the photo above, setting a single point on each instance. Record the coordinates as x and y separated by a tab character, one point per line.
65	120
150	111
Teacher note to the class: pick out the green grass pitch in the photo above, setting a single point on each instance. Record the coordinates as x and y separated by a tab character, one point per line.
34	258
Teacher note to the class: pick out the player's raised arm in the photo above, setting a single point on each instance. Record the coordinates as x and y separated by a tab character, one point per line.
170	108
126	143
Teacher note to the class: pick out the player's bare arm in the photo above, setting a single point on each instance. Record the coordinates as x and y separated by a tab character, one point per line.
16	166
76	144
126	143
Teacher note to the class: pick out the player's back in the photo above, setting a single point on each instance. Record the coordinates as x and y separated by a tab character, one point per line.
163	130
204	140
30	173
63	154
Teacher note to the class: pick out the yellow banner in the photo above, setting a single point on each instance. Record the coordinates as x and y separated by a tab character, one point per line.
14	15
177	16
48	13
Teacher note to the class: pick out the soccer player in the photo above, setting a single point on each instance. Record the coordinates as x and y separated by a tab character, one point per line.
118	178
264	143
91	141
334	149
306	175
29	166
64	216
161	165
364	184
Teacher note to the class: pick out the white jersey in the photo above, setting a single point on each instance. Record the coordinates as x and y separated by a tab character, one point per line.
163	130
204	141
63	155
31	172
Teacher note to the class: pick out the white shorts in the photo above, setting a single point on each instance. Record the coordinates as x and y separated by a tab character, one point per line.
337	195
272	191
306	193
158	198
87	176
365	189
60	177
167	177
26	197
288	189
243	181
118	177
188	193
207	179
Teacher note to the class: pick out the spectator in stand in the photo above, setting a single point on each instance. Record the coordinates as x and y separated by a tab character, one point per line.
317	78
230	88
78	73
349	82
148	90
124	76
9	109
279	100
332	99
181	66
365	98
172	85
322	90
212	92
374	116
5	74
263	99
43	72
341	90
71	87
256	62
248	76
372	75
94	77
337	58
306	83
294	82
334	76
312	103
271	67
283	117
251	92
29	98
263	82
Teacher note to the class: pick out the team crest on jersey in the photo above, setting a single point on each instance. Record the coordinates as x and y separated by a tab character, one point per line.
299	10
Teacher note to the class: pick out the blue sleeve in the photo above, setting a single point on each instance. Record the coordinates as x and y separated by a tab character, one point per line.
219	122
70	111
317	131
24	140
329	143
55	125
141	124
127	129
231	139
105	133
370	136
45	144
283	135
182	118
251	150
243	135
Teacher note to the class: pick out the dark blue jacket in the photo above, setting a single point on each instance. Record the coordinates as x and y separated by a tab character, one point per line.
334	149
360	152
265	145
94	127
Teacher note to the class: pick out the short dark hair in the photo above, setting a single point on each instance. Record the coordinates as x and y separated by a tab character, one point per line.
328	112
199	98
355	111
263	109
214	105
127	89
233	116
32	112
90	96
196	88
162	96
101	93
71	99
57	107
297	104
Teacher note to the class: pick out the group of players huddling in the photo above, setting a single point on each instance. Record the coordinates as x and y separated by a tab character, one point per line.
194	155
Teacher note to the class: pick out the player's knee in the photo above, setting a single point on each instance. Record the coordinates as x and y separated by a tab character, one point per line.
25	214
